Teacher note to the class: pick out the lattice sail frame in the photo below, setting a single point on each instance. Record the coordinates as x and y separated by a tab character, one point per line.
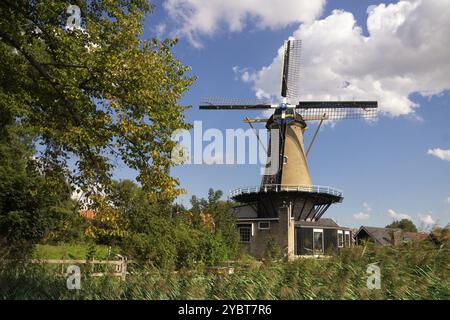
236	103
220	101
310	110
293	71
337	113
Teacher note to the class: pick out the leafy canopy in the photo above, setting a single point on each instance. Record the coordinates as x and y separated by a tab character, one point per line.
98	95
404	224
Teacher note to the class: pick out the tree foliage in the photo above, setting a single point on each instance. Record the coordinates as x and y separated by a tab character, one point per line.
34	199
108	225
223	219
171	235
95	94
404	224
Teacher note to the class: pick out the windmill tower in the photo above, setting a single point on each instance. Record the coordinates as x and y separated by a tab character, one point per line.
286	193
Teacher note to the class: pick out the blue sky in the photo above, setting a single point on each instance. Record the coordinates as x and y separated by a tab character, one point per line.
385	168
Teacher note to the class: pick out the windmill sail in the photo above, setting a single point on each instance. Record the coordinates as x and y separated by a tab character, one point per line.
214	103
290	79
337	110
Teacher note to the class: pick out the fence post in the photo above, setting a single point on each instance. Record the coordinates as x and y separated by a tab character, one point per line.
124	268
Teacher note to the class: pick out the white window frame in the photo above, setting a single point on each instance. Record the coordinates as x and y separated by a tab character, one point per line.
349	238
285	159
259	225
323	244
340	232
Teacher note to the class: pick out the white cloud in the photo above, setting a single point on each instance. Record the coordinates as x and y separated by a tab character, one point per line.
371	8
241	74
365	214
447	200
407	51
426	219
440	153
160	30
206	17
398	216
361	216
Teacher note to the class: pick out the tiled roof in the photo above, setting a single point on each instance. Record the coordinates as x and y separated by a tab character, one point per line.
325	222
381	235
385	236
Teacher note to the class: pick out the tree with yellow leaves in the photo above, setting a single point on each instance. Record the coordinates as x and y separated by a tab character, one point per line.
90	89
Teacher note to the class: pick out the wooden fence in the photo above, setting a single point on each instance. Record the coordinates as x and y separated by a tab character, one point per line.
118	267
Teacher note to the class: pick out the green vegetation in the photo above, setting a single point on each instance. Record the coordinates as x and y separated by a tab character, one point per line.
71	251
412	271
404	224
35	200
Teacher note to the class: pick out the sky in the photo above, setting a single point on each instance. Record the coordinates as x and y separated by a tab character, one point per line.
395	52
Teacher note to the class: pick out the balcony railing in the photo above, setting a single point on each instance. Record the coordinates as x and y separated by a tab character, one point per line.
286	188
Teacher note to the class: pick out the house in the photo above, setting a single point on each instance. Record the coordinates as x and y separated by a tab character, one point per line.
386	236
319	237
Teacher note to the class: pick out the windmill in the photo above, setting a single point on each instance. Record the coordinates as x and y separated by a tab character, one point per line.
290	186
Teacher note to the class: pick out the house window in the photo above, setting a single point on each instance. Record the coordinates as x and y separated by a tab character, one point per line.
285	159
340	235
264	225
347	239
317	241
245	233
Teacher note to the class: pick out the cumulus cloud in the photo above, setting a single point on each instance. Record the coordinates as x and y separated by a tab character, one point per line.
426	219
407	51
361	216
398	216
195	18
440	153
365	214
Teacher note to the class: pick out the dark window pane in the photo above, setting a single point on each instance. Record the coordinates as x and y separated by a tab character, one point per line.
318	242
245	233
347	239
340	239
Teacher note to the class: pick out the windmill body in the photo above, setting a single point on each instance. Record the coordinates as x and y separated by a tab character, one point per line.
292	157
286	195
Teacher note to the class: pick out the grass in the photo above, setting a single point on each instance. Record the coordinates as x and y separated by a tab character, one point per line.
412	271
71	251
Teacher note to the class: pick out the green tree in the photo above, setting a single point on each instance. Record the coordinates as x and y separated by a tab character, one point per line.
94	93
34	199
169	235
224	231
150	230
404	224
